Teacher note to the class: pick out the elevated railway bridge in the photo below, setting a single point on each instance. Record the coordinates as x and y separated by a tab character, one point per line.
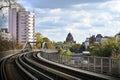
49	65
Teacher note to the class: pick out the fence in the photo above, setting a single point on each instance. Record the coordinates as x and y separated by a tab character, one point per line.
104	65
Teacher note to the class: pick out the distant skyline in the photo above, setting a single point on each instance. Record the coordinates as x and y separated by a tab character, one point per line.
83	18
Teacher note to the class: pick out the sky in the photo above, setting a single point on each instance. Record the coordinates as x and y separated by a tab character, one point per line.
83	18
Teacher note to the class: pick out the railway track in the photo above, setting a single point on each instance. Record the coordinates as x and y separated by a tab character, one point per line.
9	70
55	74
31	66
2	72
26	69
31	71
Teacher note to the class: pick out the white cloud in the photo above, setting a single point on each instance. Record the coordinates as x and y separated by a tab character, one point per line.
112	6
81	20
55	11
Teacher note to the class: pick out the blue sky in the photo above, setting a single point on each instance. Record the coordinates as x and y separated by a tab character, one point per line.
83	18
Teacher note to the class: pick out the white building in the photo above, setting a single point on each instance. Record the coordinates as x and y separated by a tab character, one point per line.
117	36
25	26
5	35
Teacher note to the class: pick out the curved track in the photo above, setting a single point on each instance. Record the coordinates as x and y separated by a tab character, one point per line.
31	66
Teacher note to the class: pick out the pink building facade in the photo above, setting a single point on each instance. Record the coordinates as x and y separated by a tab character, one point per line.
13	23
21	25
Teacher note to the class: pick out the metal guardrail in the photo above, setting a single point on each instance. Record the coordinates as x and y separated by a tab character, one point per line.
82	74
103	65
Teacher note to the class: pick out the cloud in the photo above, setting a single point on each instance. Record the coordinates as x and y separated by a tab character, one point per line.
82	18
57	3
112	6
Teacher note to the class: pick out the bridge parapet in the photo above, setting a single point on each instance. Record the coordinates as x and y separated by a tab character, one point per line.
102	65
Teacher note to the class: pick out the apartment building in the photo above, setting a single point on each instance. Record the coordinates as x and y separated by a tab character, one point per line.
21	25
25	26
5	35
13	23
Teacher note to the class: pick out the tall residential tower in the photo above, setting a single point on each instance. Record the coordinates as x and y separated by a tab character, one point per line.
21	25
25	26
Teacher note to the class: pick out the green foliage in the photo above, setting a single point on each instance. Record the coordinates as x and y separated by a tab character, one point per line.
45	39
61	51
110	48
82	48
68	52
66	45
38	37
75	48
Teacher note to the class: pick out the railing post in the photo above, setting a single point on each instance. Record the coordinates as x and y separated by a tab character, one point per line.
66	59
101	65
82	62
88	62
94	63
110	66
59	58
119	67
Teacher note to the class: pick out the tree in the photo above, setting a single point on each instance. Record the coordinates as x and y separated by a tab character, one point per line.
61	51
108	49
82	48
75	48
50	45
95	49
38	38
19	46
68	52
8	45
45	39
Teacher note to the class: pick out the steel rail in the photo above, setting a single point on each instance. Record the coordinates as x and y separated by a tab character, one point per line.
2	72
33	70
25	71
52	70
